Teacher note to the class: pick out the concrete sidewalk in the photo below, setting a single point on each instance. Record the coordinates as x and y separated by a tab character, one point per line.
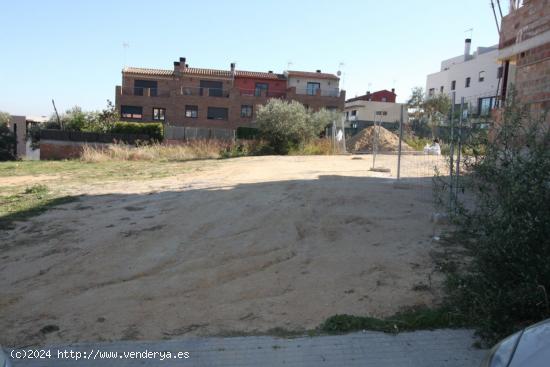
440	348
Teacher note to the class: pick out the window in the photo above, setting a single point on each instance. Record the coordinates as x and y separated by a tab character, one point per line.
384	99
246	110
217	113
312	88
467	83
142	86
453	85
485	106
261	89
159	114
441	89
213	88
353	115
481	76
431	92
191	111
131	112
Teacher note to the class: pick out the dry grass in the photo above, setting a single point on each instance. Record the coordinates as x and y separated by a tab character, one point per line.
316	147
196	149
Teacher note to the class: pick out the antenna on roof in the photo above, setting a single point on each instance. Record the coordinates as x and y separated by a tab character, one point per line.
288	64
471	30
340	73
125	46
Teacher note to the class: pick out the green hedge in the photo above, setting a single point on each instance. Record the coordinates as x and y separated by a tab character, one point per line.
153	129
247	133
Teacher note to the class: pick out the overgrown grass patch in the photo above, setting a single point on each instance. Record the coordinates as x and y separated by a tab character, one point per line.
33	200
418	318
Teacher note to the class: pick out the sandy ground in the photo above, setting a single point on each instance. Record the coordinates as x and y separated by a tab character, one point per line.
246	246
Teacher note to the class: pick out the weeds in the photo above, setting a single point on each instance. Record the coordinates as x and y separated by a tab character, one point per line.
418	318
34	200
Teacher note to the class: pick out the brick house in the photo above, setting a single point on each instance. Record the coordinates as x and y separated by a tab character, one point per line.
380	96
525	44
213	98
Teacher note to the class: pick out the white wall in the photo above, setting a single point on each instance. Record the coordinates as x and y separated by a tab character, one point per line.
459	71
366	110
301	84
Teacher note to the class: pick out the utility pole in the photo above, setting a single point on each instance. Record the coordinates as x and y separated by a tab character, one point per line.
56	114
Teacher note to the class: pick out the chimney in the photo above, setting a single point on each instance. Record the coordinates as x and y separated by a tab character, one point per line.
393	90
270	71
318	70
467	45
182	60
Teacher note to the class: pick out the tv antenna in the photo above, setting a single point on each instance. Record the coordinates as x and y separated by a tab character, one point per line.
471	30
289	64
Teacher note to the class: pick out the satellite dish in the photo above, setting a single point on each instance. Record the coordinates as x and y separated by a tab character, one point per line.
339	73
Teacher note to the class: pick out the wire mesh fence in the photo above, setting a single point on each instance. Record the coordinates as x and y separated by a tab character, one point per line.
434	153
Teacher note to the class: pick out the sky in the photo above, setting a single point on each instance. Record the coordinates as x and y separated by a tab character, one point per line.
73	51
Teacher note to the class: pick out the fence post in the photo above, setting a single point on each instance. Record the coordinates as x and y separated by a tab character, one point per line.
459	145
400	140
344	135
451	153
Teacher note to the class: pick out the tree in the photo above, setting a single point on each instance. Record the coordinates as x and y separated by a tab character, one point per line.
285	125
436	109
416	102
74	119
7	138
322	118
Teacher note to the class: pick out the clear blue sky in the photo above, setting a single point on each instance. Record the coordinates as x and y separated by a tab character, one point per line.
72	50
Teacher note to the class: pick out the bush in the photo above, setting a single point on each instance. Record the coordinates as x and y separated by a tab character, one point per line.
153	130
505	286
7	139
285	125
248	133
315	147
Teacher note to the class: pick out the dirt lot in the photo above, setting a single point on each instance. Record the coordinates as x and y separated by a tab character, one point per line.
242	245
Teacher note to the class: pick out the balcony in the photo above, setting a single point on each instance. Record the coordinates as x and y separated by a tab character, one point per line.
319	92
144	92
260	93
203	92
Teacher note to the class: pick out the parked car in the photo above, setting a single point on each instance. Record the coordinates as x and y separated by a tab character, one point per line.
529	347
4	359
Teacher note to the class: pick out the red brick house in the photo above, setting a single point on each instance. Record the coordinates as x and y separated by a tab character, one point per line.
380	96
214	98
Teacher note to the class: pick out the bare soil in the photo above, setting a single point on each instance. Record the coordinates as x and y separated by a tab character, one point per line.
387	141
248	245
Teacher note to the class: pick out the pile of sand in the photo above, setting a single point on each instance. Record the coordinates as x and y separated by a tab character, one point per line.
387	141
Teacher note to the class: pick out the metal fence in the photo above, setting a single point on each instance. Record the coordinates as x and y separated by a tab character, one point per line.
192	133
434	153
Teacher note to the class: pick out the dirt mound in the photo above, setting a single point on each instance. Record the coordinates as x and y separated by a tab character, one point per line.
387	141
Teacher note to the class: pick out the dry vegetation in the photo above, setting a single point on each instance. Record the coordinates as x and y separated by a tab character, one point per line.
197	149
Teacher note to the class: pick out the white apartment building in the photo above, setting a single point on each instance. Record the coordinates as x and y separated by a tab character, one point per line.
476	77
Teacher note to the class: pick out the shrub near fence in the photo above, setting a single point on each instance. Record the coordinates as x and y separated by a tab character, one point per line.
79	136
247	133
154	131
